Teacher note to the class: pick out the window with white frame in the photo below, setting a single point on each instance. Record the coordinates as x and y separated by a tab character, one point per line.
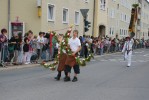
112	13
114	0
122	31
111	30
65	15
77	17
86	1
125	18
51	12
121	16
102	4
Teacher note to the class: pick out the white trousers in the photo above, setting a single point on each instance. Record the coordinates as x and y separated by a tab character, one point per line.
128	57
27	57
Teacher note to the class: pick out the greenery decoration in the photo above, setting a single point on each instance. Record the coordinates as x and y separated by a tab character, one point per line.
65	49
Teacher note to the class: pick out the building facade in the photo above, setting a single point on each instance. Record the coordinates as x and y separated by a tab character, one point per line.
107	17
113	18
59	14
26	11
45	15
144	22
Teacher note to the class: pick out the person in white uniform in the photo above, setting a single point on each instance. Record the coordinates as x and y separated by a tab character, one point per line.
127	50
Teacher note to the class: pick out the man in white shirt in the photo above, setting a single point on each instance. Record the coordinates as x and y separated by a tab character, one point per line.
40	42
127	50
75	46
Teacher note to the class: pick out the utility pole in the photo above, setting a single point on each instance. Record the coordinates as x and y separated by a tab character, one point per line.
8	15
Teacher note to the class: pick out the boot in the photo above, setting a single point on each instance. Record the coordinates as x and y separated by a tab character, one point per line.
75	79
57	78
67	79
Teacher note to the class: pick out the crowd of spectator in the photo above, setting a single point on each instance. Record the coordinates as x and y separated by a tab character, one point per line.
32	48
101	45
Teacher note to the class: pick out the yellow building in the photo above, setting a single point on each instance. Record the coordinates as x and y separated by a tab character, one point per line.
113	18
26	11
58	14
144	27
55	14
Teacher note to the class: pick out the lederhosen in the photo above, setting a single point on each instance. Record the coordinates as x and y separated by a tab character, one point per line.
71	62
61	65
62	60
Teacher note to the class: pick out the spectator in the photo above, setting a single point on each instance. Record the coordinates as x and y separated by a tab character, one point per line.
26	58
3	46
15	41
40	42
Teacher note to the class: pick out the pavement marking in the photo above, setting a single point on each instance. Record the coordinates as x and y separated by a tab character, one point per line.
146	55
103	60
139	52
122	60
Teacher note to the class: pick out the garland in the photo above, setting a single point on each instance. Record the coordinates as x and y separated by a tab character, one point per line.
64	48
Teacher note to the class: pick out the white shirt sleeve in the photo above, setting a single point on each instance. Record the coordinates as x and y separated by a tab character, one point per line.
124	48
79	43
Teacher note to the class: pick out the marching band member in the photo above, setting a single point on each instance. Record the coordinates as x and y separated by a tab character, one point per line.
127	50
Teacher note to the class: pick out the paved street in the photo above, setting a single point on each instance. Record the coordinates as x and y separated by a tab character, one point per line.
104	78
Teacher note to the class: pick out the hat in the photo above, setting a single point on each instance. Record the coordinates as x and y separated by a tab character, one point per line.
128	37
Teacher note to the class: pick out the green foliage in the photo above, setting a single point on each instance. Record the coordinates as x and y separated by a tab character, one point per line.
135	5
64	46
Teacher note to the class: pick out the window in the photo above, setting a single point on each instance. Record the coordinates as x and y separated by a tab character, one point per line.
86	1
112	13
102	4
111	30
122	31
121	16
65	15
125	18
77	18
50	12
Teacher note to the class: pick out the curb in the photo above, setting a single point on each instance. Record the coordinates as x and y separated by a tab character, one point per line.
18	67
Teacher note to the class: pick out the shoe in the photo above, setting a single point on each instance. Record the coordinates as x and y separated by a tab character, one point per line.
74	79
67	79
128	66
26	63
57	78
